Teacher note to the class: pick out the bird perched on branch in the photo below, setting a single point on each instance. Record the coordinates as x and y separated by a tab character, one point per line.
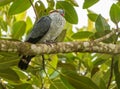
47	29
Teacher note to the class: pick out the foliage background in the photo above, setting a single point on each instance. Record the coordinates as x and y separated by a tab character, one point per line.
62	71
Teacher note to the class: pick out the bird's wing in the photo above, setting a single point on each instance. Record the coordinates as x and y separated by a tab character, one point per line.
39	30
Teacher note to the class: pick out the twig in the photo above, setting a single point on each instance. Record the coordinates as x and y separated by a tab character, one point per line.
111	73
43	62
106	36
35	11
112	61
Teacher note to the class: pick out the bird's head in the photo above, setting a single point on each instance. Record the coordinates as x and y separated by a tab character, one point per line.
60	11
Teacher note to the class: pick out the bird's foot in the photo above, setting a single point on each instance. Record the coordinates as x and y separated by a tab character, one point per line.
49	42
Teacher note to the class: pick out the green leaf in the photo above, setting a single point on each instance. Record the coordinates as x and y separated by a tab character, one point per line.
19	6
7	60
101	24
98	79
51	4
18	29
23	86
70	13
102	84
66	83
73	2
115	13
21	74
117	74
29	24
100	59
58	84
53	62
9	74
92	17
82	35
54	75
40	8
61	36
89	3
3	24
69	31
4	2
79	82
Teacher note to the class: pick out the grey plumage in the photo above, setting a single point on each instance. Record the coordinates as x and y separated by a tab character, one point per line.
55	29
48	28
39	30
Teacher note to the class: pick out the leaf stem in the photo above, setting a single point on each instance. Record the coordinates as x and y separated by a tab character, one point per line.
35	11
111	72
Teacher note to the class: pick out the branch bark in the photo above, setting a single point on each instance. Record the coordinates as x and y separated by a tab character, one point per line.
60	47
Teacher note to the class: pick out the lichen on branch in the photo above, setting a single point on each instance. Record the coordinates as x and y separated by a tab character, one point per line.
60	47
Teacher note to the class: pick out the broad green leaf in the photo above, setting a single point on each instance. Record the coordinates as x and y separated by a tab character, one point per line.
66	83
40	8
89	3
82	35
21	16
94	71
98	79
61	36
23	86
51	4
58	84
21	74
67	66
100	59
29	24
106	75
7	63
115	13
53	63
73	2
9	74
92	17
54	75
97	76
4	2
3	25
18	29
102	84
69	29
117	74
7	60
101	24
79	82
70	13
19	6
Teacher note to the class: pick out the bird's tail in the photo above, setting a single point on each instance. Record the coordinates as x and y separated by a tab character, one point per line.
24	61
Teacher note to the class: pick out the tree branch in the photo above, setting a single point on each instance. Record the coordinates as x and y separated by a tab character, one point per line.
60	47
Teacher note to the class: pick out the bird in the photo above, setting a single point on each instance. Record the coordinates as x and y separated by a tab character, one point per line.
46	29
